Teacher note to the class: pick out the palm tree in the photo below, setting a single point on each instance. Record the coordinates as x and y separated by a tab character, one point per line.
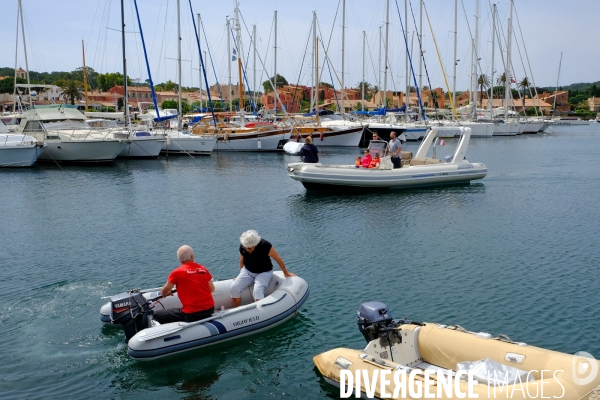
483	81
501	80
71	89
434	96
524	85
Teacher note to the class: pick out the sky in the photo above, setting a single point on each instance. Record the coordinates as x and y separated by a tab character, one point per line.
542	30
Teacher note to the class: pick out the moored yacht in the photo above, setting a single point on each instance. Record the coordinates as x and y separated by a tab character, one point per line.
68	137
18	150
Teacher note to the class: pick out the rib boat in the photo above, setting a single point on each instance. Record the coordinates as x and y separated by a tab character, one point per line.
421	170
501	368
148	340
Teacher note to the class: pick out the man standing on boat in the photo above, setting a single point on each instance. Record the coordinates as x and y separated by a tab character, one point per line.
395	149
255	266
194	288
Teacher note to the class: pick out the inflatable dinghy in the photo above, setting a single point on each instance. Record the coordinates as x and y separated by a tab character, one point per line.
148	340
423	349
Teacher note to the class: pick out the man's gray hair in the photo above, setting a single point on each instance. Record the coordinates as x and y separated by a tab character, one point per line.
249	238
185	253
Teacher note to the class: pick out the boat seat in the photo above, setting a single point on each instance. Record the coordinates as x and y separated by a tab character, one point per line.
405	157
424	161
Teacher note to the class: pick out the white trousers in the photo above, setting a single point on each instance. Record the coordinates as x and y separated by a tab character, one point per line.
247	278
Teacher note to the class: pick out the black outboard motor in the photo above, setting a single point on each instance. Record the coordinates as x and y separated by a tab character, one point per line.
373	318
130	309
375	321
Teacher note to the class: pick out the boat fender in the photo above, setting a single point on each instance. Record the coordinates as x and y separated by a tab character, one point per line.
321	137
226	136
298	139
258	144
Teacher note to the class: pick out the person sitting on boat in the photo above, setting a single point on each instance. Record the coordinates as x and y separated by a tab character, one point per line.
366	161
375	162
358	162
255	266
395	149
309	152
194	288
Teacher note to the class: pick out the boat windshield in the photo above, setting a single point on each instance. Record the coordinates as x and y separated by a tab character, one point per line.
378	147
332	117
65	124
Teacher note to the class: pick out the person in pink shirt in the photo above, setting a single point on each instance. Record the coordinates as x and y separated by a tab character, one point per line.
366	161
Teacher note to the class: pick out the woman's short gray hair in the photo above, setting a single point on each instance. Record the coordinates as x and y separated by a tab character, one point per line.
185	253
249	238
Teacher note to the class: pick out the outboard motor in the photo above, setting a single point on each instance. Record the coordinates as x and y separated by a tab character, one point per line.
132	310
375	321
373	317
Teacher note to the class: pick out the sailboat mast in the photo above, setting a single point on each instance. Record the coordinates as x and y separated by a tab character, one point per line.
125	97
199	69
228	34
316	66
421	45
314	47
407	76
379	68
179	99
491	97
455	59
275	67
16	57
84	76
25	52
557	78
507	91
475	60
254	78
363	75
343	41
239	47
385	45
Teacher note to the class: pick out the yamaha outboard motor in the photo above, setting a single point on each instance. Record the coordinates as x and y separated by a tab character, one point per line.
373	317
375	321
130	309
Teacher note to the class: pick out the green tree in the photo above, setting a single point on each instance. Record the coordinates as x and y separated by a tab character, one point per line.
281	82
434	96
483	81
120	103
7	84
523	85
172	104
170	86
108	80
71	89
501	80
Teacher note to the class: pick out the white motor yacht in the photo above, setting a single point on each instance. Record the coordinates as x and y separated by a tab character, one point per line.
571	121
68	137
421	170
18	150
140	143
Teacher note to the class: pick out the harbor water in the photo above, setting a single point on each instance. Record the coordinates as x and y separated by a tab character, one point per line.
515	253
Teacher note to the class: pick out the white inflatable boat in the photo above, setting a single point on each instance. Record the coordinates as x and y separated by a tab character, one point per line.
284	297
424	169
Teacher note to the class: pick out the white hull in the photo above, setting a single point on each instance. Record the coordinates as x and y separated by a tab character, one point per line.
321	176
422	171
184	143
284	297
571	122
263	141
18	150
82	150
143	147
507	129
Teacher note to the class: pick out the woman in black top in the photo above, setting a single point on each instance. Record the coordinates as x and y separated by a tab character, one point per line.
309	152
255	266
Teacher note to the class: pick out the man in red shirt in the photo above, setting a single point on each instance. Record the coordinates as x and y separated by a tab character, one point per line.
194	288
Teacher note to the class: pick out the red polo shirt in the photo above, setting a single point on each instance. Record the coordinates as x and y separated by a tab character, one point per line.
194	292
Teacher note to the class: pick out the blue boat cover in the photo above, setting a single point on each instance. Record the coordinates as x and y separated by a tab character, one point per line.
164	118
